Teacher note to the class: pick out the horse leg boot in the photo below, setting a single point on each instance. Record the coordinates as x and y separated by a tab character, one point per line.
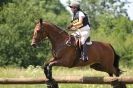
46	68
48	71
51	83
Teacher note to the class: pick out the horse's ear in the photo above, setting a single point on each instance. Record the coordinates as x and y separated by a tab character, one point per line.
36	21
41	20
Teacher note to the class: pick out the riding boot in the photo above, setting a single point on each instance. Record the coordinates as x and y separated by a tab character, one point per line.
84	50
83	54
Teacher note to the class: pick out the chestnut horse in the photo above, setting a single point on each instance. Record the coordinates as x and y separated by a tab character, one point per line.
102	56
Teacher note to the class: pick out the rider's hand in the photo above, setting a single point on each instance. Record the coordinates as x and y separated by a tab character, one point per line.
73	28
69	26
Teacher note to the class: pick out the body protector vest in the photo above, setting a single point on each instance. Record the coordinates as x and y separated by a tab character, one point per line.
76	19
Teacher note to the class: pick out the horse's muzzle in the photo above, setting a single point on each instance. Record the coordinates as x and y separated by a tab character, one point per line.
33	45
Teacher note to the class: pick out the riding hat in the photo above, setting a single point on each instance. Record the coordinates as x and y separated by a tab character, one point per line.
74	4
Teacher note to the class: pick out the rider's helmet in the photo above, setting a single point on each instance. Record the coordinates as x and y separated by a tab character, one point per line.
74	4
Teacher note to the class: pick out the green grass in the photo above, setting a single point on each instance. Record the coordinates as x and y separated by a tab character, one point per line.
32	72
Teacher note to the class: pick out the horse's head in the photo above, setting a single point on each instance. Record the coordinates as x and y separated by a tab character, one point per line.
45	29
39	33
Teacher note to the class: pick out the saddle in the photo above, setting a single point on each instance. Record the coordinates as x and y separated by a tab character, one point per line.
73	41
81	50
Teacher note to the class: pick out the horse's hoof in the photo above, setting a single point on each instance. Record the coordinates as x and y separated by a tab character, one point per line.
117	84
52	84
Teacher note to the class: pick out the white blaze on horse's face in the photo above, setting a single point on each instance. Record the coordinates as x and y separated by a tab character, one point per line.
38	35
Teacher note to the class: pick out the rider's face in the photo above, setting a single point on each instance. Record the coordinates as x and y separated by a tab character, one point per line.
74	9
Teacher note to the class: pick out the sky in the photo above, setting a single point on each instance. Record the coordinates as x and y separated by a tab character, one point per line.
129	7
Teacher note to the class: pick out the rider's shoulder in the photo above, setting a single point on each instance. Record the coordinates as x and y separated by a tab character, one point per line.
81	13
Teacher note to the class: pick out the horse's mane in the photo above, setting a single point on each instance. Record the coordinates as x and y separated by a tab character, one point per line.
58	28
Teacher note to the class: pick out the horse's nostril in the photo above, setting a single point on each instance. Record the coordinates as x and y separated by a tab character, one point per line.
33	45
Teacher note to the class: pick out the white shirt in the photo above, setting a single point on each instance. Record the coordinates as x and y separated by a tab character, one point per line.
81	14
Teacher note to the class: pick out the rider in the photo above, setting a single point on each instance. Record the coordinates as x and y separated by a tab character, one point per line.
81	26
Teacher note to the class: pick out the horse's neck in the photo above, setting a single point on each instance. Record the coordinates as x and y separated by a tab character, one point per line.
57	36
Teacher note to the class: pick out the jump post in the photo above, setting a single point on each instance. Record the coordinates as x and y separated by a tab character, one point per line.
68	79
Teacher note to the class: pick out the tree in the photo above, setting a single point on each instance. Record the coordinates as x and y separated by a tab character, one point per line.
96	8
17	21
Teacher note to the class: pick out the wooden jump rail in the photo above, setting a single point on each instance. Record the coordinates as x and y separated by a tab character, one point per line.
68	79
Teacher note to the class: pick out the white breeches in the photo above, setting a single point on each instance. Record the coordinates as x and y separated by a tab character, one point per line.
84	32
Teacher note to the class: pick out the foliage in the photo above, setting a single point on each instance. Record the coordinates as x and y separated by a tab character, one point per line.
94	8
17	20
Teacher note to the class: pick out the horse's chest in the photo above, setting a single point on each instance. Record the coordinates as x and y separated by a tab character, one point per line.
66	55
58	53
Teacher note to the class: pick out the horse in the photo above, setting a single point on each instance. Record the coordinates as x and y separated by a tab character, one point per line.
102	56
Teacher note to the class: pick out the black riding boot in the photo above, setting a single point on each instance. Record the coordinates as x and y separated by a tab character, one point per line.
84	50
84	55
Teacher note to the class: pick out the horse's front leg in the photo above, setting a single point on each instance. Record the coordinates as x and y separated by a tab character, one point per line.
48	71
51	83
48	68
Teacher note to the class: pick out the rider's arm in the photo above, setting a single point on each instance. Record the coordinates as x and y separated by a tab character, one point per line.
80	21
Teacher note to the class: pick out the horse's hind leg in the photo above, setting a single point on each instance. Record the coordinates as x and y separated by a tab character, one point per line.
113	70
116	83
121	84
97	66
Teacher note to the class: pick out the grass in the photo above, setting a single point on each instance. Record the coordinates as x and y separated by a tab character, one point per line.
34	72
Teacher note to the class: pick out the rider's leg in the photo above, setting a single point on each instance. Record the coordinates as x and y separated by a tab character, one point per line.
84	50
85	33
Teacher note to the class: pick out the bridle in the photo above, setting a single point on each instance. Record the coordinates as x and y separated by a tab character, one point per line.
41	32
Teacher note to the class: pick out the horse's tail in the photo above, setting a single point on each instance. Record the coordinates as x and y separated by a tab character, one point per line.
116	61
116	65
